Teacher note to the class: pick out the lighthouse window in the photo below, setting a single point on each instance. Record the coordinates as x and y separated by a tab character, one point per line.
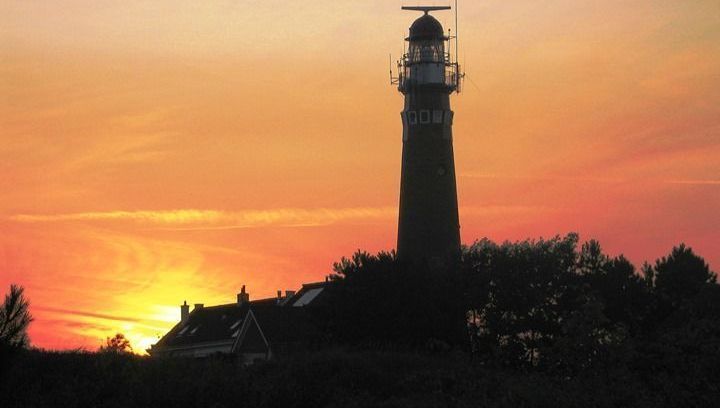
449	117
438	116
426	51
424	116
412	117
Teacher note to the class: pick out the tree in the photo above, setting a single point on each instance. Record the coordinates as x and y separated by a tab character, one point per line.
15	318
677	279
117	344
613	281
681	275
375	303
524	290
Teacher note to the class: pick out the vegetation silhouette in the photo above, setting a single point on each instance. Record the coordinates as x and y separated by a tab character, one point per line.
534	323
15	318
117	344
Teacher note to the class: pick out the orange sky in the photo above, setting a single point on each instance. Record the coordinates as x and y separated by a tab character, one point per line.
159	151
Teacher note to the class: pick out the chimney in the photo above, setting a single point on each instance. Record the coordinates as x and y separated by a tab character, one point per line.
279	297
289	293
243	297
184	312
198	306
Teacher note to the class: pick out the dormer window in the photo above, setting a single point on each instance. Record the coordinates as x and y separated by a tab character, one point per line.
236	324
183	331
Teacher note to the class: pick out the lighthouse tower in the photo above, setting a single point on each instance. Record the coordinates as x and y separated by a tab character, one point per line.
428	228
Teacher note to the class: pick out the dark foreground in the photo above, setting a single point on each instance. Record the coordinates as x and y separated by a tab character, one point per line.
329	379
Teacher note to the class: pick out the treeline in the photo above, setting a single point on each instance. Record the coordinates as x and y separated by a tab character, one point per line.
551	306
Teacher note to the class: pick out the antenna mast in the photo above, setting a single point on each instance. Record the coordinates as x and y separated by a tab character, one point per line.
457	34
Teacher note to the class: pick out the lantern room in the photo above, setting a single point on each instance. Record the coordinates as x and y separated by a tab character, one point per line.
427	61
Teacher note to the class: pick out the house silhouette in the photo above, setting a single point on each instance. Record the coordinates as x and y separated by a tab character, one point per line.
252	330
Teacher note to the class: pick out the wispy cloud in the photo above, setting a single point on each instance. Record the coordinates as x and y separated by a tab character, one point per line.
191	219
102	316
608	180
209	220
695	182
493	176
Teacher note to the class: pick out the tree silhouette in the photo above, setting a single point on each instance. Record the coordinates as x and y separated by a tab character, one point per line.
525	290
623	293
374	302
547	304
681	276
117	344
15	318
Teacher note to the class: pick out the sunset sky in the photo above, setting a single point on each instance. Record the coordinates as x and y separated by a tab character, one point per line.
155	152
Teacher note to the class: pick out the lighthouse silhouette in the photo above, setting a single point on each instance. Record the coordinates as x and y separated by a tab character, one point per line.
428	226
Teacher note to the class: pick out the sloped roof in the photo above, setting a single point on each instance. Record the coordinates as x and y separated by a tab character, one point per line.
283	322
208	324
309	294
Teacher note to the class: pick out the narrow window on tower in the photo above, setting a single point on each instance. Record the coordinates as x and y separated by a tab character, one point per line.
437	116
449	117
412	117
424	116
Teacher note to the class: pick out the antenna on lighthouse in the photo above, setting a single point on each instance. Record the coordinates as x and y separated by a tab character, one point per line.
457	34
460	75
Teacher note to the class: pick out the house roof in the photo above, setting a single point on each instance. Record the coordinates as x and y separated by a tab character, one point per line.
208	324
283	324
283	321
310	293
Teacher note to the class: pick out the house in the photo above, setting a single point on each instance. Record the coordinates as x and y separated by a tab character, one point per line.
253	330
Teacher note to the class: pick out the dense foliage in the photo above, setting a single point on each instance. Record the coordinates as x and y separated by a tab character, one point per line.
376	304
552	307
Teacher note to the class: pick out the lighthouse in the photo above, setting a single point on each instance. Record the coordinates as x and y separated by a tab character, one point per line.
428	226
